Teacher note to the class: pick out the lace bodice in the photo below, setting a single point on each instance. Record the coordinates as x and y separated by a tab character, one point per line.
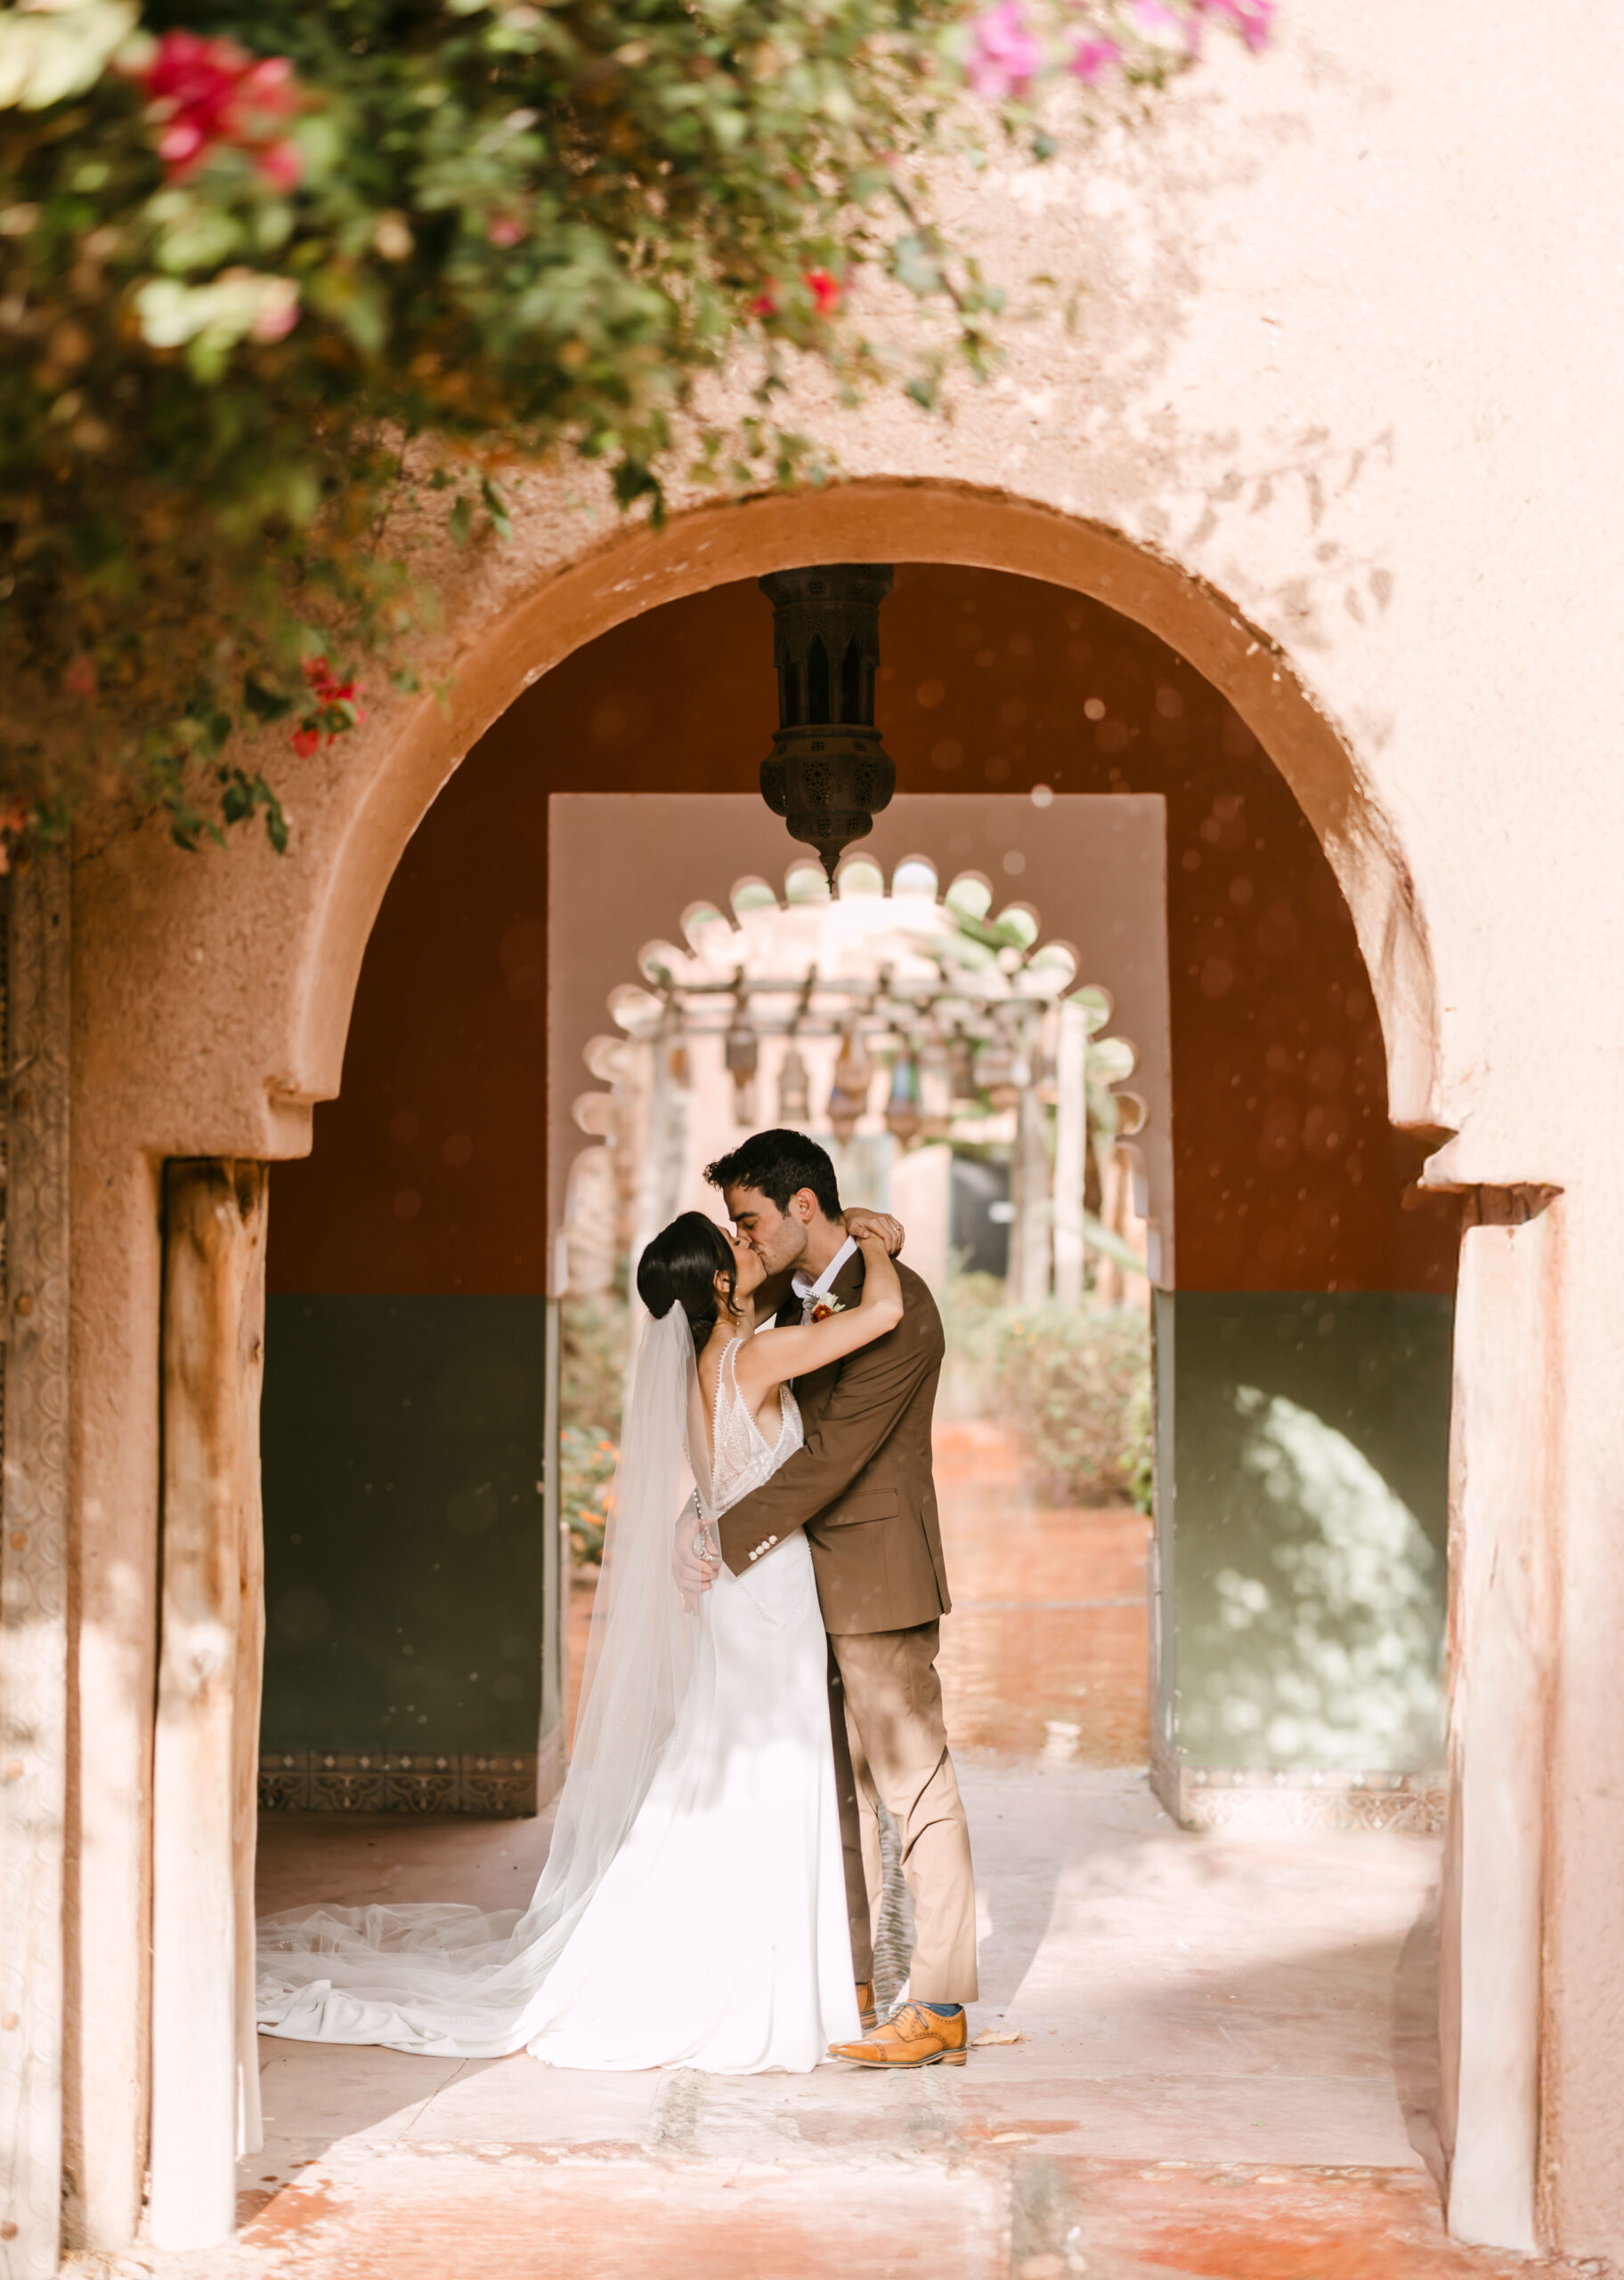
741	1455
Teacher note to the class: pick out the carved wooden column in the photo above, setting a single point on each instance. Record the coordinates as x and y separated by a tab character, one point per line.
34	996
204	2086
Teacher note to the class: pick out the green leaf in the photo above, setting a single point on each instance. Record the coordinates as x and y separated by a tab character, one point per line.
496	507
264	703
276	821
635	480
460	521
914	265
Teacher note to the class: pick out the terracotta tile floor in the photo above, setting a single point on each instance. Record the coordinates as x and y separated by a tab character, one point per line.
1213	2076
1051	1621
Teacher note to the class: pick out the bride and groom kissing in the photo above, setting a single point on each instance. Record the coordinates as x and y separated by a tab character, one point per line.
760	1675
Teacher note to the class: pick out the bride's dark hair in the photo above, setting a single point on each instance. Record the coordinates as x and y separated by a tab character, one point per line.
679	1269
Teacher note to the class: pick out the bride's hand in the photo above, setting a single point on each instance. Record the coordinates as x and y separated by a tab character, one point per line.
861	1223
692	1575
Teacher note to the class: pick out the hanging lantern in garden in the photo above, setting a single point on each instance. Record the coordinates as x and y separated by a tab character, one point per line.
962	1065
1000	1072
794	1089
828	774
742	1055
849	1094
935	1089
902	1117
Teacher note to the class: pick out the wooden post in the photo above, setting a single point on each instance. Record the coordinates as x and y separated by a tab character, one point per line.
34	1565
1502	1493
203	2108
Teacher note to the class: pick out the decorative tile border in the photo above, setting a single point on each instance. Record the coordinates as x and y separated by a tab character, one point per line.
499	1785
1277	1803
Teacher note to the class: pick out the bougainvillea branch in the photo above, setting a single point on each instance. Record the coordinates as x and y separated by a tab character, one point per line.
274	282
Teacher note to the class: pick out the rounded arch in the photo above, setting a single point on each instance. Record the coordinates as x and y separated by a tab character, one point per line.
287	1022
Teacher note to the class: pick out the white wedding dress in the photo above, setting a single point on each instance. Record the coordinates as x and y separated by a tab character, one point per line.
695	1915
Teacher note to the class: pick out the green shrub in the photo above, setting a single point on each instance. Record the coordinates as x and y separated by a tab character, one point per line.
1076	1383
587	1459
592	1383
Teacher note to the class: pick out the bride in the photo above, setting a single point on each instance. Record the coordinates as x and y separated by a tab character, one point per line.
692	1909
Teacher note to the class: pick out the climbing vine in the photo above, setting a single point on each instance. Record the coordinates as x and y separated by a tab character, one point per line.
285	288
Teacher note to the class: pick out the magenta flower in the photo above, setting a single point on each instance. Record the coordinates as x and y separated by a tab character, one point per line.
283	163
1091	59
1004	56
206	92
1254	20
1163	25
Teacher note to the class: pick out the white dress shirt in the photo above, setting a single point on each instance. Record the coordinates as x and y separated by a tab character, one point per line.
813	1294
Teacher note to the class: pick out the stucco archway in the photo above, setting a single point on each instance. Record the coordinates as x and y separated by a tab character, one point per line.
213	998
312	916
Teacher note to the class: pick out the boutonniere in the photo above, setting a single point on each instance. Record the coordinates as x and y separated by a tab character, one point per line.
824	1307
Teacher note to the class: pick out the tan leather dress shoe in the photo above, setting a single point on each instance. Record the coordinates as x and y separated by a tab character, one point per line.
868	2014
914	2037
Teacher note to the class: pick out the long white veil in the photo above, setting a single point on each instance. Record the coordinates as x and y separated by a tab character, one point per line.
454	1980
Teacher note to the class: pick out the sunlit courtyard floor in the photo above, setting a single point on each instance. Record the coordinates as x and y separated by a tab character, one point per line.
1219	2042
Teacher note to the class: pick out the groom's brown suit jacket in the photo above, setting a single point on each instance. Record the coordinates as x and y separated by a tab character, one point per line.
862	1486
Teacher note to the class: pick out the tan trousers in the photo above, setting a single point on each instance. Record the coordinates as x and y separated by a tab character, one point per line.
897	1749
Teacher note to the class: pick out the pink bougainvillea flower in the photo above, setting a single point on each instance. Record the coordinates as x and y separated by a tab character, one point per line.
279	309
1004	56
283	163
336	699
504	231
1254	20
1165	26
304	741
208	92
824	289
1091	59
765	304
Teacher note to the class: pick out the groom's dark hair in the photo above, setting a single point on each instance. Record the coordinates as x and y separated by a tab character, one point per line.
776	1164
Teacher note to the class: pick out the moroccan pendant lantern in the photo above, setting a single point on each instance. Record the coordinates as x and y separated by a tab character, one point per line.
741	1055
962	1061
849	1094
935	1089
794	1089
828	774
902	1116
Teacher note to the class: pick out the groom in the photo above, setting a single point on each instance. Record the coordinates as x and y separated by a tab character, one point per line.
861	1488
